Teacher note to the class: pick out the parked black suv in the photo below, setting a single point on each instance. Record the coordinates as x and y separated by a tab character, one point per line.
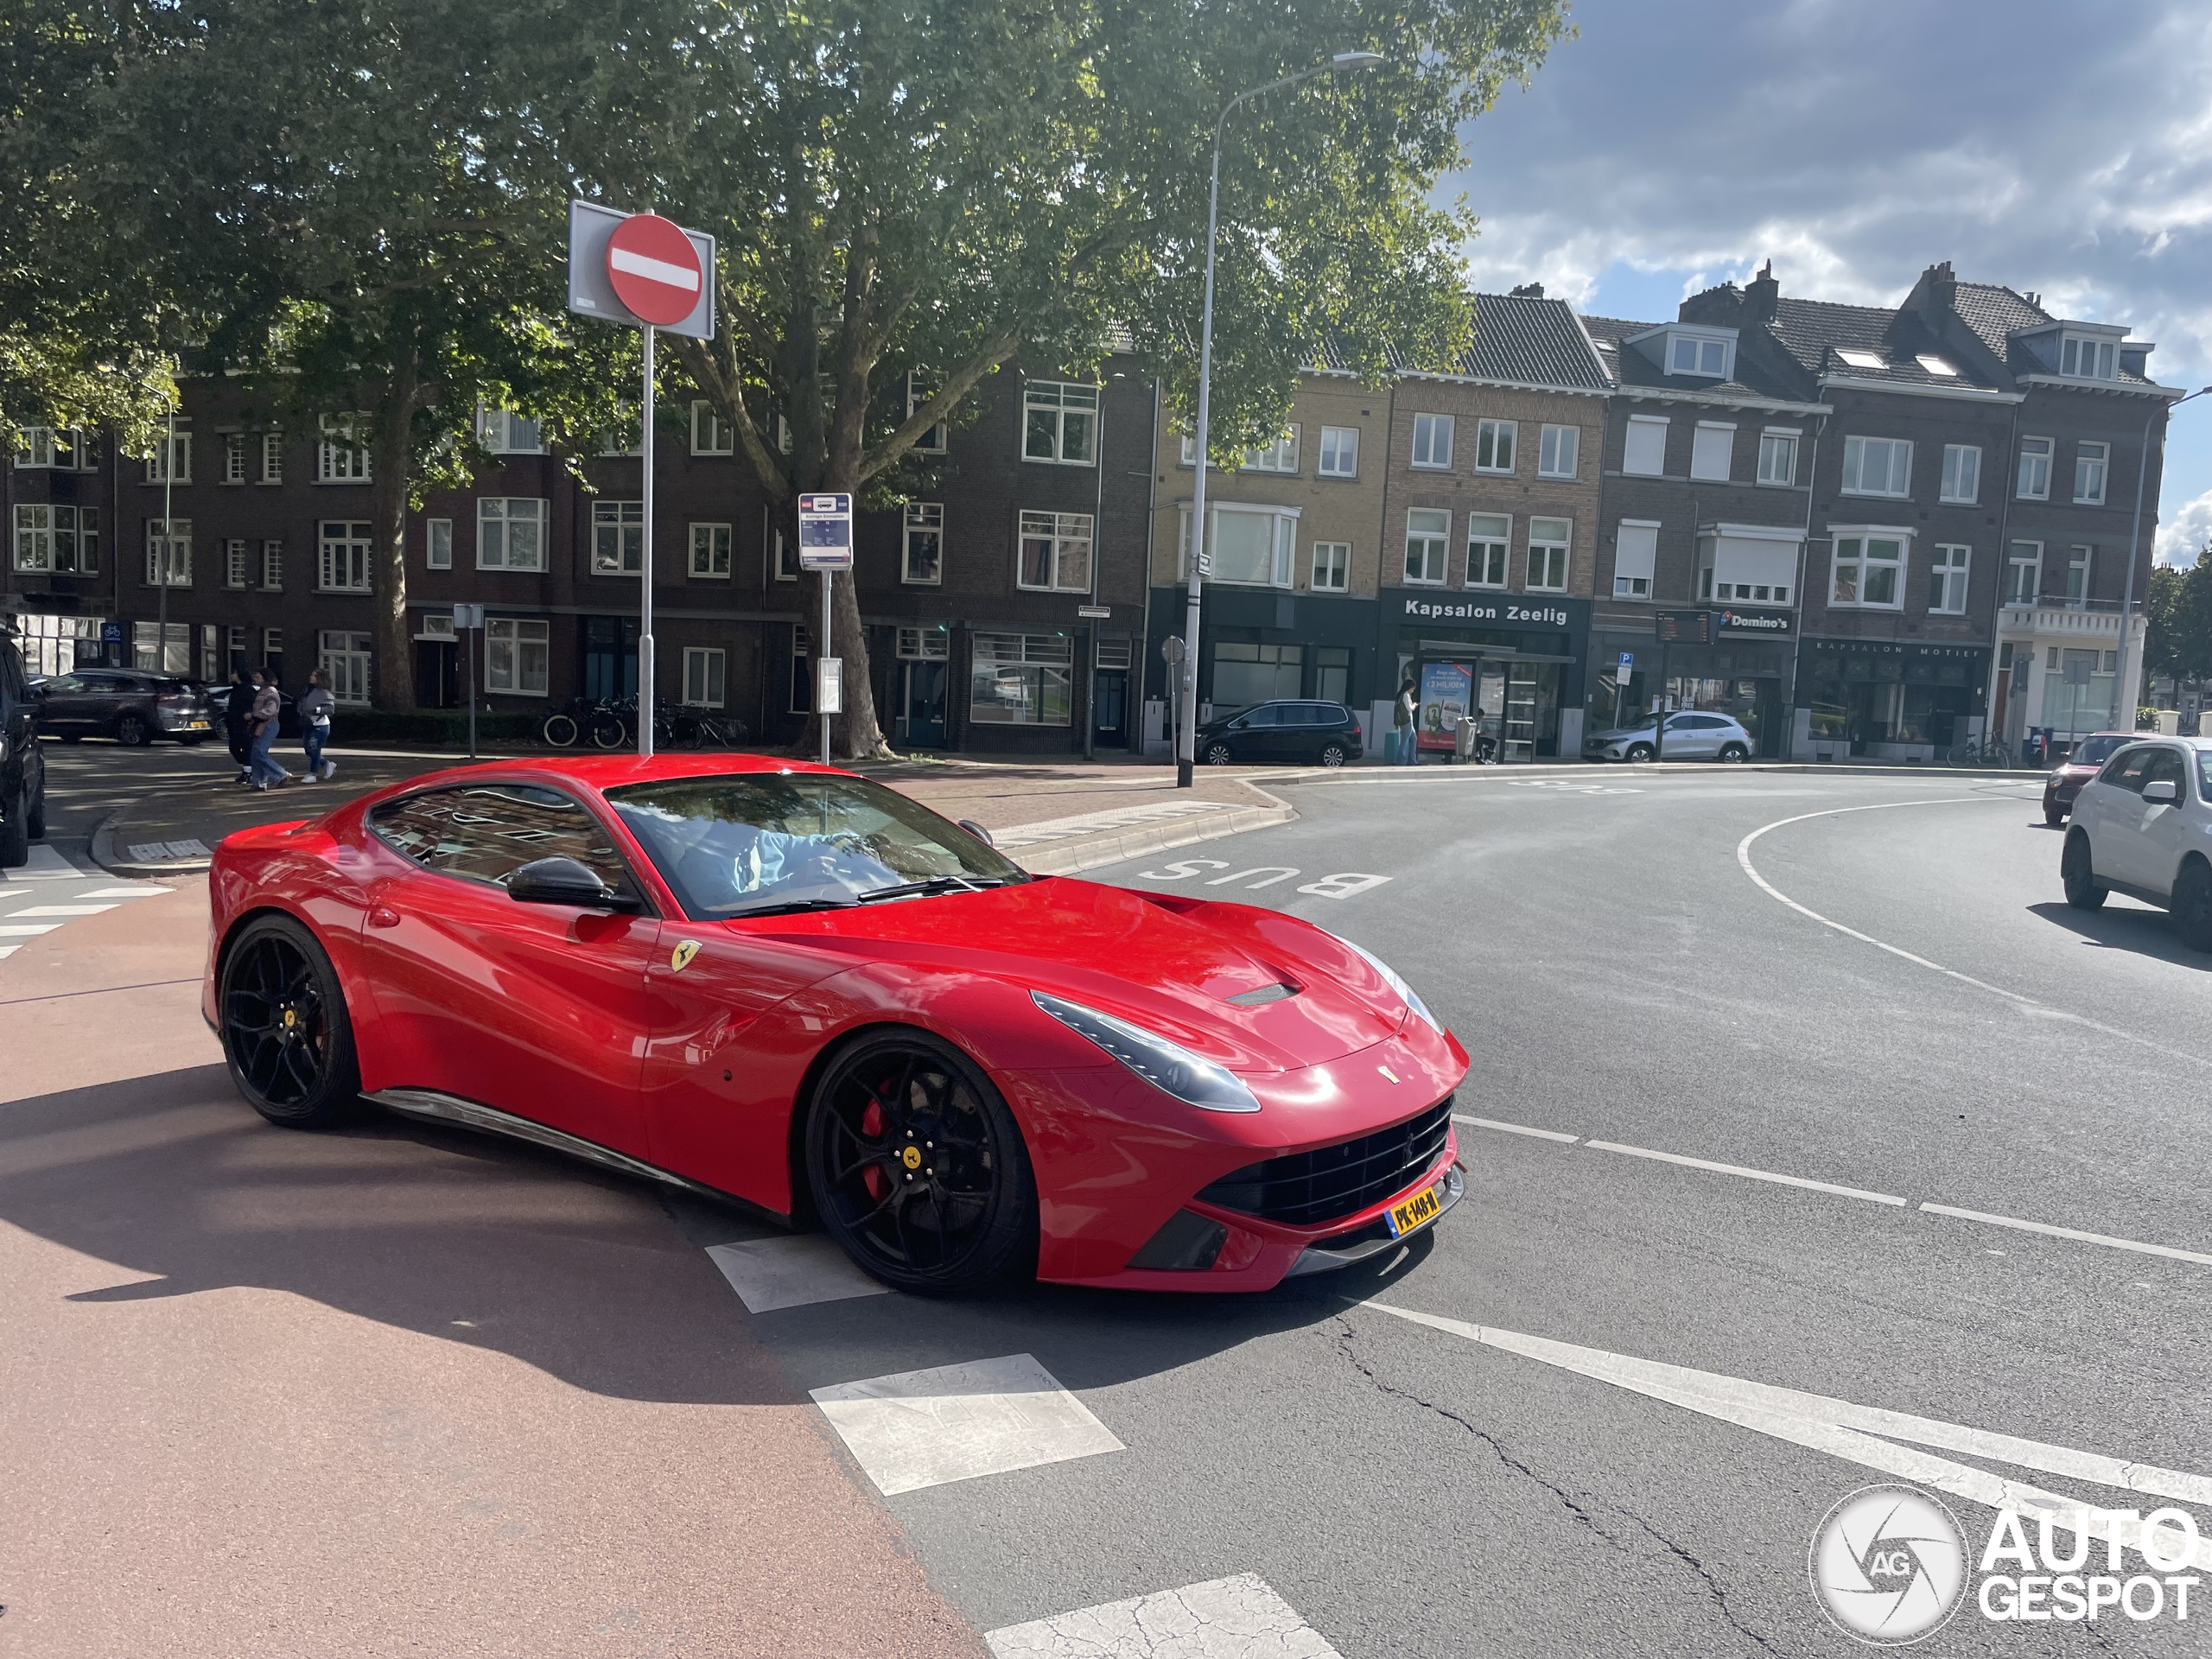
22	768
1303	734
130	705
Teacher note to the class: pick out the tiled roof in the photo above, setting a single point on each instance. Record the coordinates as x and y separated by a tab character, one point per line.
1814	332
1527	341
1993	312
1632	368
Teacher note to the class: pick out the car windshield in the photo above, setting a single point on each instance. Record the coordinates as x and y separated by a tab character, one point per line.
737	845
2095	751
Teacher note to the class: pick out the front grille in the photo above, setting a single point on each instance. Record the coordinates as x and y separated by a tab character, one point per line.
1308	1188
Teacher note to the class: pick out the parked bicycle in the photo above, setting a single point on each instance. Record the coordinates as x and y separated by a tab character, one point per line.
586	719
1973	753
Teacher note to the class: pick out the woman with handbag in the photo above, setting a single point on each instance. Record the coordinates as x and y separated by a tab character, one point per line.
268	705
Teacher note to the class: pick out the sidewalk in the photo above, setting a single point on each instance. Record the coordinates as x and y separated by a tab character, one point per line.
1052	819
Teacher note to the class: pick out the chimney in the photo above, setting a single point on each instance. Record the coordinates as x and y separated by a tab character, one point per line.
1762	295
1529	291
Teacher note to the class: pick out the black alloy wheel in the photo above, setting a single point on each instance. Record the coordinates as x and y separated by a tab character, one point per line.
1219	755
916	1167
132	731
2079	874
2192	907
1333	754
285	1032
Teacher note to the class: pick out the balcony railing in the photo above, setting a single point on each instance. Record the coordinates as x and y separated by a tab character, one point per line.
2060	602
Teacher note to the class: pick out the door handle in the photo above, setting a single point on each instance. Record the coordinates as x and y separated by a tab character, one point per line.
383	916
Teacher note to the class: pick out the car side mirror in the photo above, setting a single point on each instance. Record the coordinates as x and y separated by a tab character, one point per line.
2162	790
979	832
565	881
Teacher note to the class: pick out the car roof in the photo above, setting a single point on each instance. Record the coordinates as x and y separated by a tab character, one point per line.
605	771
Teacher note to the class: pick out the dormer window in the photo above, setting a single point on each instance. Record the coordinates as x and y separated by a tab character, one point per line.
2086	359
1687	354
1859	360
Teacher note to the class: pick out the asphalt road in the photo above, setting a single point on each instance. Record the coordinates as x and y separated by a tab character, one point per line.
1516	1471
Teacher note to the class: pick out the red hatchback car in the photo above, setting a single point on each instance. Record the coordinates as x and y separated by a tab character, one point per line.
2084	762
798	988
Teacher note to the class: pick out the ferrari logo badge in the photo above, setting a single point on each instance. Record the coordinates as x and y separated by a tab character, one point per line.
1387	1072
911	1157
680	958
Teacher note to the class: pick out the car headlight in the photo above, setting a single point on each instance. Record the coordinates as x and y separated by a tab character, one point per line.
1167	1066
1397	982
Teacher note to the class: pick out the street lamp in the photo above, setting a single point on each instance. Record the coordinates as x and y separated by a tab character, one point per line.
1187	702
2134	535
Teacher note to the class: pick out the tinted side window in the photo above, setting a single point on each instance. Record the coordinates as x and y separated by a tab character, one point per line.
2124	770
488	832
1266	715
11	673
1334	713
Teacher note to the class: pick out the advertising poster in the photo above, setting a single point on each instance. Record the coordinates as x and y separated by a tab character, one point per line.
1445	689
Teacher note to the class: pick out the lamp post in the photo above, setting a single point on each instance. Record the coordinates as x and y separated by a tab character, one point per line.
1186	739
2134	537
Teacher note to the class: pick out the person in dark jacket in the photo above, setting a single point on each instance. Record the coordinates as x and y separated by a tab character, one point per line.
314	709
237	722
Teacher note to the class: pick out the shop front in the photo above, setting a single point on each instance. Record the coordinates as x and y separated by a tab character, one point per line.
1744	673
1889	700
1506	660
1258	644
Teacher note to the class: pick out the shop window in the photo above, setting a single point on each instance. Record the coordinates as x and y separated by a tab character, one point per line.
1021	679
1869	572
1490	536
1332	673
1426	533
1946	594
1636	551
1549	539
1244	673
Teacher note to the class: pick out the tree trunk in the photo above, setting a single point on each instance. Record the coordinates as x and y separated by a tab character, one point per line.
391	451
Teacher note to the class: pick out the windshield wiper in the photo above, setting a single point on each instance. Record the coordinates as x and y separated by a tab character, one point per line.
935	884
787	907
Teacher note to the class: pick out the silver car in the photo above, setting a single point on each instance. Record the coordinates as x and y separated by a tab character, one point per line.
1691	735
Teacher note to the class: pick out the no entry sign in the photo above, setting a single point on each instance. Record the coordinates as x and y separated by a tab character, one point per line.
639	268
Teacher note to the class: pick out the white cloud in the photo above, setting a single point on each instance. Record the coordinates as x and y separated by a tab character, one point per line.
2185	531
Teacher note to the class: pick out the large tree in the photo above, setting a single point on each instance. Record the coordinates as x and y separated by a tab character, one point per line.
2177	636
941	187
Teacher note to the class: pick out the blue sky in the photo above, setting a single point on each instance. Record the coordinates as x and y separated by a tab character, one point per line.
2063	149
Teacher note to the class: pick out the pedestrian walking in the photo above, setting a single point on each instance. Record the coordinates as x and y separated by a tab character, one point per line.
267	704
1402	715
314	707
238	723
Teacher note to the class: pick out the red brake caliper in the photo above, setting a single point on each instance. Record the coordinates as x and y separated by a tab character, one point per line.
873	1177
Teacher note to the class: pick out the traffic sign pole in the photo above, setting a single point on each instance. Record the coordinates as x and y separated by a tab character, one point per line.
828	577
645	559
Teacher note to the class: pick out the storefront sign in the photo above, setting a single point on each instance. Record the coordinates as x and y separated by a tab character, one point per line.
1684	627
1771	625
1506	613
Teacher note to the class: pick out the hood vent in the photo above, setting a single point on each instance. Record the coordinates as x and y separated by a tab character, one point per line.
1265	995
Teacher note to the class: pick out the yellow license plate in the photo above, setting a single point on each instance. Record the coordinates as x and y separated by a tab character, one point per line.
199	725
1419	1210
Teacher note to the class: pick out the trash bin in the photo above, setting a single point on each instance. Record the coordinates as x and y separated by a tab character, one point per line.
1463	740
1390	746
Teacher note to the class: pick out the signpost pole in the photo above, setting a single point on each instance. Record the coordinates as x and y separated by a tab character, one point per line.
468	639
822	653
645	574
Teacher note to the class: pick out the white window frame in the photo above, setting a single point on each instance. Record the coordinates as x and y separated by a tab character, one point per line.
167	453
706	676
1946	590
802	689
176	535
504	432
1332	568
1864	474
272	645
497	512
338	459
1492	565
1430	528
710	433
1649	427
2035	468
1776	443
1055	401
1857	357
1063	533
1051	655
782	553
1543	544
713	551
1858	538
1558	451
1702	350
1960	485
618	537
920	645
234	457
272	566
2088	356
1280	456
1702	447
2081	571
235	567
1494	439
517	650
1432	450
34	448
933	441
921	524
53	537
1339	455
2092	472
1634	587
437	544
345	656
272	458
345	551
2014	563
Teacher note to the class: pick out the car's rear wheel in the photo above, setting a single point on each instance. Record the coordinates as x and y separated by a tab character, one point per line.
1219	754
2192	906
14	830
1639	752
132	731
1334	755
917	1167
1735	755
2079	874
285	1031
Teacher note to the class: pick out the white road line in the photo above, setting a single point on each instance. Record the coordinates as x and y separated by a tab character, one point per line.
1225	1618
1515	1128
47	865
1844	1430
7	950
955	1423
2067	1232
140	891
1744	858
797	1271
63	909
26	930
1748	1174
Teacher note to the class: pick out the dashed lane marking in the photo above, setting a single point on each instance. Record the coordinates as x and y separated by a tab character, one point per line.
25	930
797	1271
47	865
62	910
1862	1435
1224	1618
2080	1237
141	890
955	1423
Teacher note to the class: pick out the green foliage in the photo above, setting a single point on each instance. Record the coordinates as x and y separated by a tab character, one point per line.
2178	620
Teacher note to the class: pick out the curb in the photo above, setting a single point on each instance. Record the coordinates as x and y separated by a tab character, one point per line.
1091	852
1643	769
102	851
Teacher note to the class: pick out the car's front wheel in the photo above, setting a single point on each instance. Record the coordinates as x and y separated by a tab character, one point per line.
1219	754
1333	754
285	1031
1639	752
2079	874
133	732
2192	906
1735	755
2053	817
916	1167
